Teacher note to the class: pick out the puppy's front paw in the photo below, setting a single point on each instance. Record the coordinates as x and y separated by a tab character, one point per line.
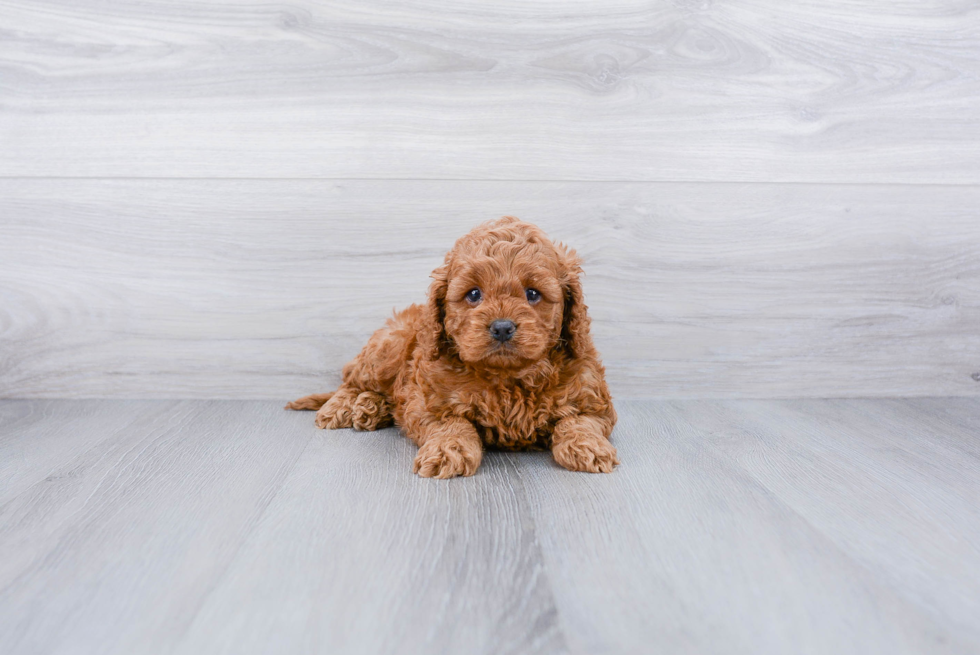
336	413
589	453
447	458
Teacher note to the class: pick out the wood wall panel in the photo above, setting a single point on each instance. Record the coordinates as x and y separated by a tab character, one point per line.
247	288
853	91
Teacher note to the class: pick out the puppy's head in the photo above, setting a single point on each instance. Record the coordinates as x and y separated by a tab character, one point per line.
506	297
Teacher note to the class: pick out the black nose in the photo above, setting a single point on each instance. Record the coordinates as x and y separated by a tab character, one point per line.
502	329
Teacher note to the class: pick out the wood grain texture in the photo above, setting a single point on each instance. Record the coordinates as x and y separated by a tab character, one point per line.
366	557
856	91
118	545
736	526
149	541
210	288
884	468
37	438
765	526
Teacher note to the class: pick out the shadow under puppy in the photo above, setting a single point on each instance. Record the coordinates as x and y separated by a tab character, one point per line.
500	356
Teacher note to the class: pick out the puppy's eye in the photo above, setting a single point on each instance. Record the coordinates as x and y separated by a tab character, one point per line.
474	295
533	295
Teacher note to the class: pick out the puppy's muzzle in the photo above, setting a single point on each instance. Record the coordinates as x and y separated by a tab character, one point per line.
502	329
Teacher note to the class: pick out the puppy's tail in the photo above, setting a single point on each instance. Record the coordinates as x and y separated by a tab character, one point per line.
316	401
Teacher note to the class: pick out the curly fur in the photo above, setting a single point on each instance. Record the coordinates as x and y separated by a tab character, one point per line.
436	372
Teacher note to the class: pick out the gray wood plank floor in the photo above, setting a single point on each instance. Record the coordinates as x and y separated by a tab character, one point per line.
738	526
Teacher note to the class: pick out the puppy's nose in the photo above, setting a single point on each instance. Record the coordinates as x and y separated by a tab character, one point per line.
502	329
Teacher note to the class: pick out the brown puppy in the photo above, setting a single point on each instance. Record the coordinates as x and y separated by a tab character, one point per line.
500	356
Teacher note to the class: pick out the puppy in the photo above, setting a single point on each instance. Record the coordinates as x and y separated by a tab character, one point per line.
500	356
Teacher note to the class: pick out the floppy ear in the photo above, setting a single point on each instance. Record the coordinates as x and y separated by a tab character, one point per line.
575	335
432	337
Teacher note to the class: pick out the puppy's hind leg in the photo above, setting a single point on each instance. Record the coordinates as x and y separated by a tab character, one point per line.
339	408
338	412
364	400
371	411
334	409
349	407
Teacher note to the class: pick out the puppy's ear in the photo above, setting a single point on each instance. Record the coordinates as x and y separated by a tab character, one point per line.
575	335
432	337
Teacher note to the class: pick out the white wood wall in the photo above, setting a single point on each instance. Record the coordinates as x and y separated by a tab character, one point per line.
223	198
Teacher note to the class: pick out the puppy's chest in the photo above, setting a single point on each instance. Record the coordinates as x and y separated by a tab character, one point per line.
509	418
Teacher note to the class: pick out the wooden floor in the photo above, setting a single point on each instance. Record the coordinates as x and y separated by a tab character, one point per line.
825	526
